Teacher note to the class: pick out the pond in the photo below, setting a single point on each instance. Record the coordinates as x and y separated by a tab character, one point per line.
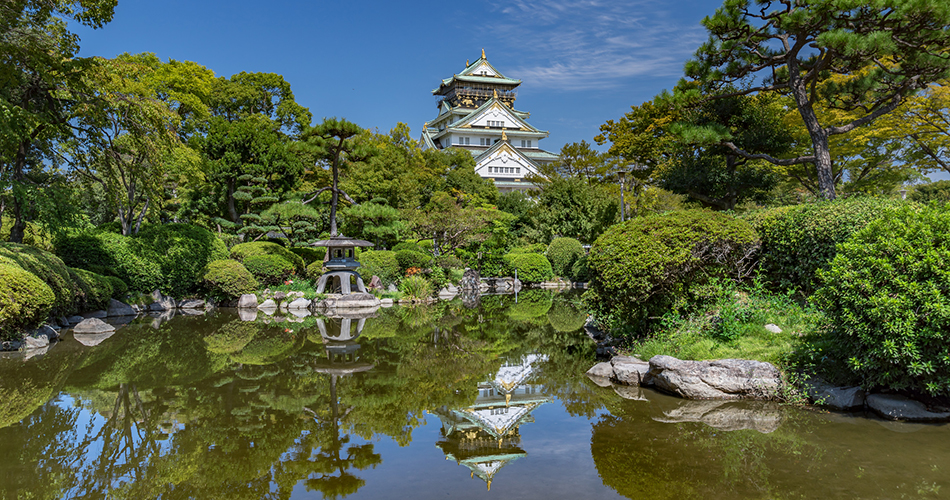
444	401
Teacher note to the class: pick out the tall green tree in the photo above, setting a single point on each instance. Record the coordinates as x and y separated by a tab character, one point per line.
333	141
849	54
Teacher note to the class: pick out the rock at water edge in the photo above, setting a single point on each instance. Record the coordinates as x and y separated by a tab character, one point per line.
93	325
300	303
630	371
247	301
717	379
191	304
117	308
895	407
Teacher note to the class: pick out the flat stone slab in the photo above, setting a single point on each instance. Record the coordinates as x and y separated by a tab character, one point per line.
93	325
836	398
896	407
353	300
386	302
191	304
717	379
117	308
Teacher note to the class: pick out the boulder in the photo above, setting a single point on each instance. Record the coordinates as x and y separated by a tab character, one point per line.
75	319
117	308
298	304
45	331
386	302
191	304
95	314
11	345
772	327
247	301
162	302
445	294
93	325
604	370
717	379
727	416
351	301
392	288
837	398
62	321
630	371
30	342
267	304
280	296
896	407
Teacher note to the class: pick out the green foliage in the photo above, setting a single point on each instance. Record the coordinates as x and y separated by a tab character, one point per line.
27	300
886	299
256	248
532	267
408	245
315	269
96	289
374	222
572	207
227	278
380	263
799	240
532	248
935	191
580	271
310	254
49	269
532	304
415	287
641	267
566	317
169	257
119	288
563	252
269	269
410	258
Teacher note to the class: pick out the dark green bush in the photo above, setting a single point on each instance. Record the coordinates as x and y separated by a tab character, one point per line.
938	191
244	250
309	254
887	300
96	289
798	240
26	299
269	269
315	270
532	248
532	267
380	263
563	252
408	245
641	267
580	271
119	288
48	268
227	279
410	258
167	257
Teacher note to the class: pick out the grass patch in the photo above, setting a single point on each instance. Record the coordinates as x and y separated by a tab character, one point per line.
298	285
732	325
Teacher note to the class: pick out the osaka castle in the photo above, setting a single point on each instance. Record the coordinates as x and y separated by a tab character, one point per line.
476	113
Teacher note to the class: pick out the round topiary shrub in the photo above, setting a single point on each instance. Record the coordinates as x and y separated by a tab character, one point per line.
27	301
119	289
564	317
255	248
315	270
309	254
887	300
227	279
269	269
408	245
532	248
798	240
563	252
639	268
410	258
48	268
531	267
380	263
96	289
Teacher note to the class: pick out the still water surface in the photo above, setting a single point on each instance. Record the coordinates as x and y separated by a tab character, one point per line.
438	402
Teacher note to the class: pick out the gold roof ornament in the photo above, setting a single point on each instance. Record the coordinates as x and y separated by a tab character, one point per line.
504	136
495	93
466	63
483	53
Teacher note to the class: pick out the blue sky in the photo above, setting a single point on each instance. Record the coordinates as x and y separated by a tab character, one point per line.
375	62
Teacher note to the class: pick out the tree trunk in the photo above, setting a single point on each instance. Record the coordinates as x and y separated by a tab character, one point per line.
138	223
335	195
819	140
232	209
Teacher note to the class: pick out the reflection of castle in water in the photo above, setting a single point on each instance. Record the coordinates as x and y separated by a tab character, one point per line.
485	436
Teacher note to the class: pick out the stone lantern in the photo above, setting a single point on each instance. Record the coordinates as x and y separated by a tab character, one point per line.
341	264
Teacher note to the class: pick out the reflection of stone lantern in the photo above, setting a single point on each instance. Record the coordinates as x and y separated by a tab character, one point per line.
341	264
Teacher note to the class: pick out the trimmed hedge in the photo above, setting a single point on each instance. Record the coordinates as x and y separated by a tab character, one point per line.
411	258
49	269
380	263
27	300
798	240
168	257
563	252
643	266
887	302
532	267
309	254
269	269
227	278
119	289
96	289
241	252
408	245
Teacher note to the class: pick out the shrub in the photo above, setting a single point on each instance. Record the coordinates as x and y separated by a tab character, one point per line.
531	304
119	288
416	287
168	257
315	269
580	271
532	248
241	252
532	267
639	268
564	317
409	258
380	263
309	254
269	269
408	245
799	240
49	269
96	289
563	252
27	300
227	278
887	302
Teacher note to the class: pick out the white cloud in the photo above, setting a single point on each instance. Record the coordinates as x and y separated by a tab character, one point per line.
594	44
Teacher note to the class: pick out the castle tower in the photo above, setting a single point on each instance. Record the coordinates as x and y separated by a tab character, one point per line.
476	113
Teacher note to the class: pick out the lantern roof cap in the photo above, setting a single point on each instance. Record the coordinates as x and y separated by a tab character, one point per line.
341	241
